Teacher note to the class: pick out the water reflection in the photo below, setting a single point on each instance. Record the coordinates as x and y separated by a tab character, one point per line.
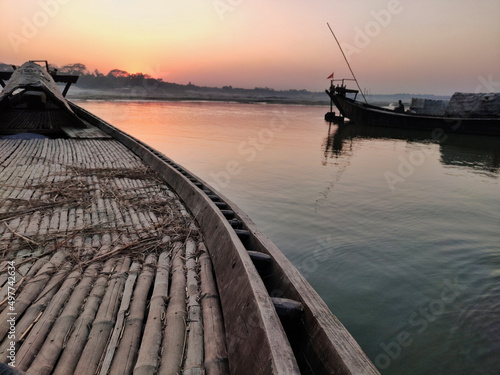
478	153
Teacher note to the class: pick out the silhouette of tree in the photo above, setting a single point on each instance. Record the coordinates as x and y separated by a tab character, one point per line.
5	67
78	69
118	73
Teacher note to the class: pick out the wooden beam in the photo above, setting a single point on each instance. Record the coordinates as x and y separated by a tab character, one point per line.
65	78
59	78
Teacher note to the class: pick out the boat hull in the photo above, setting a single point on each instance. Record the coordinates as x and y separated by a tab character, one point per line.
358	112
317	343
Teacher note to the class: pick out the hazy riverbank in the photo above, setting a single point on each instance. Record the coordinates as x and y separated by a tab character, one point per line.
269	96
204	94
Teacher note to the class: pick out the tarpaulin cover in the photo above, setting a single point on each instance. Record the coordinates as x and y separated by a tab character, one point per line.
466	105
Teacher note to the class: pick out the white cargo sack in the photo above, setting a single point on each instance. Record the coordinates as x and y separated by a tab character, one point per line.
466	105
432	107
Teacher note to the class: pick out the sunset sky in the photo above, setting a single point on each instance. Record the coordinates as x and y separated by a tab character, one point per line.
418	46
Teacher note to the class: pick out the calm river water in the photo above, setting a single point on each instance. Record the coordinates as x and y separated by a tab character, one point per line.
398	232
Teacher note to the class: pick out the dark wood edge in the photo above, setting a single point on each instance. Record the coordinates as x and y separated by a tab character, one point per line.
325	333
63	78
252	324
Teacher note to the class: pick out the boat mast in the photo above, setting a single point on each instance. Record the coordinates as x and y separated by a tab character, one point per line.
345	58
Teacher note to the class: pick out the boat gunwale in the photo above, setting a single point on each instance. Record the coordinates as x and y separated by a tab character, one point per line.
375	108
332	343
269	353
374	116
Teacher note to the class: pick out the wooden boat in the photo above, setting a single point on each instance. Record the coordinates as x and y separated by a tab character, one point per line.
359	112
117	260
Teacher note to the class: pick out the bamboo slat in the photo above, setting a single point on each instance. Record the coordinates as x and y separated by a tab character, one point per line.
75	344
103	323
46	359
34	267
173	340
194	355
32	314
125	356
148	358
32	289
216	358
120	319
36	337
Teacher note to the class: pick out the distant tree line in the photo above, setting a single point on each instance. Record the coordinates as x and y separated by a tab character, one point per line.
118	78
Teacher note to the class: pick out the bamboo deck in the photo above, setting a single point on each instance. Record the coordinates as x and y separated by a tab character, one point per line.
112	275
27	120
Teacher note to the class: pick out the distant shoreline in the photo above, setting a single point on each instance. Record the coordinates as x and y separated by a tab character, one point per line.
306	98
200	99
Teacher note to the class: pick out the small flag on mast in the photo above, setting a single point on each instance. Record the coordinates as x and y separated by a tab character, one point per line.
330	76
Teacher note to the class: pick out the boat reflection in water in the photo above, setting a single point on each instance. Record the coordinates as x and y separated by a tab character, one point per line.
402	229
475	152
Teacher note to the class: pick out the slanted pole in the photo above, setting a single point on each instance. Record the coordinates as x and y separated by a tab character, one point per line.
345	58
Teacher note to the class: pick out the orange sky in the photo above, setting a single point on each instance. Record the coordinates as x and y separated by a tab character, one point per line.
423	46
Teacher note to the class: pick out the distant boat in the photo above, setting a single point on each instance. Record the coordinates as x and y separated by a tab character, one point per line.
464	113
